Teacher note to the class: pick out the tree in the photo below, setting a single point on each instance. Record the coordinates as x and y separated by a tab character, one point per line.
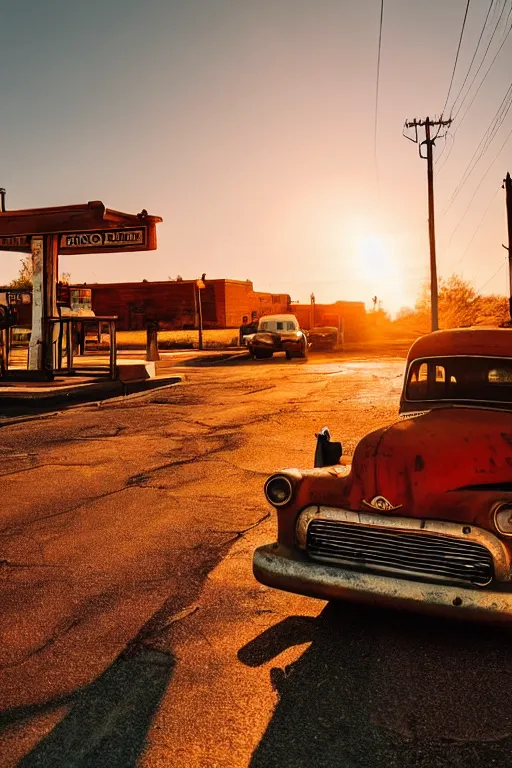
24	279
492	310
26	273
457	303
460	306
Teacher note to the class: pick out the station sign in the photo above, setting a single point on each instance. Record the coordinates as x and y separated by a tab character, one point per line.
139	234
14	241
104	240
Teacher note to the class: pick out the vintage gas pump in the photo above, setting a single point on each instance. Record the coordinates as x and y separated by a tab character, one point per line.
8	317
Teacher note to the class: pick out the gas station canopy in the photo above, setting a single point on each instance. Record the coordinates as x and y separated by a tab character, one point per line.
85	228
46	233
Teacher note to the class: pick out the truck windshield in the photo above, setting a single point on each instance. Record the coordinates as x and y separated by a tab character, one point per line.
478	379
276	325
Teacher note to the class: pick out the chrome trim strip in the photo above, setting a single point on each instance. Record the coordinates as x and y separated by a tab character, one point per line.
498	550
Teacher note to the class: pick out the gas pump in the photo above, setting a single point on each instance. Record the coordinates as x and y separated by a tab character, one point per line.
8	318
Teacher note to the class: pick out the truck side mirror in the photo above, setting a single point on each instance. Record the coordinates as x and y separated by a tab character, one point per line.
326	454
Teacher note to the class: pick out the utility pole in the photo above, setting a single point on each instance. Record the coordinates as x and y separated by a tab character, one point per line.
429	143
200	286
508	191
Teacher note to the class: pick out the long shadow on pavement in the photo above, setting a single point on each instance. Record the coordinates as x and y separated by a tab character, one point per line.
378	688
109	719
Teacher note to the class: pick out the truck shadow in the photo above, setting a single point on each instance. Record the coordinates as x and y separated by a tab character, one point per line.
379	688
107	724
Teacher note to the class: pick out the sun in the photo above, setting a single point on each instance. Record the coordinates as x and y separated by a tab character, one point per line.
378	267
375	258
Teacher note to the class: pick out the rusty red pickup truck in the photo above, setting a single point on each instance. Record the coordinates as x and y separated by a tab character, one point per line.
420	516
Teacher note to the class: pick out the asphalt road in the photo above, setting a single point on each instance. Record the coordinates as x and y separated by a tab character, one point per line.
133	632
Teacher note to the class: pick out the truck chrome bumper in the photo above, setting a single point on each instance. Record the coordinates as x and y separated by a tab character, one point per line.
276	567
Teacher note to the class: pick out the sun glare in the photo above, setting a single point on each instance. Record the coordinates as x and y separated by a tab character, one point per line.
377	266
374	258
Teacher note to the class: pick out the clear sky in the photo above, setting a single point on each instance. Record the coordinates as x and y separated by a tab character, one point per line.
248	126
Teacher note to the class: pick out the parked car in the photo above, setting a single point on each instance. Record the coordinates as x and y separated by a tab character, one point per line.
421	516
324	337
278	333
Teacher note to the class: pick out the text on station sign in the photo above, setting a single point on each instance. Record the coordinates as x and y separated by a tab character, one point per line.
14	241
108	238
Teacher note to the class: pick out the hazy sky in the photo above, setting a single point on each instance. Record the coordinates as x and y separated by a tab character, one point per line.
248	126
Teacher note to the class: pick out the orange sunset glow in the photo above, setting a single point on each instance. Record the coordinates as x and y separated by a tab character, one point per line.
252	134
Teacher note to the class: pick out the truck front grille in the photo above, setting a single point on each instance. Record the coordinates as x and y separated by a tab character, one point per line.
422	555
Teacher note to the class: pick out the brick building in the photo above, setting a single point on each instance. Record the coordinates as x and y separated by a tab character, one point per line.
351	314
174	303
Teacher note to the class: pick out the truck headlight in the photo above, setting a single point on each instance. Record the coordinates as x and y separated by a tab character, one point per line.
278	490
503	518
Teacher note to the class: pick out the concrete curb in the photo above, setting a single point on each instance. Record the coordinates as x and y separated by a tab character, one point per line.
85	393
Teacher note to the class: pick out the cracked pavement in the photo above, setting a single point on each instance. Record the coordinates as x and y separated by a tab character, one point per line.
113	517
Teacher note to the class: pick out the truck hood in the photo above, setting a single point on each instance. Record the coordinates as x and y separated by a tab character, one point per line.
447	464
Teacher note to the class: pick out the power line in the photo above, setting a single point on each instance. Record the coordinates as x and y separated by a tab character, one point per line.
484	144
508	16
377	85
481	82
483	57
448	135
487	138
479	185
466	249
495	11
457	55
492	276
474	55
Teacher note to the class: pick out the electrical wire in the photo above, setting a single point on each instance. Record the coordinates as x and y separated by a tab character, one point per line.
508	17
479	185
495	11
481	82
492	276
486	140
457	55
448	135
466	249
484	57
377	86
484	144
474	55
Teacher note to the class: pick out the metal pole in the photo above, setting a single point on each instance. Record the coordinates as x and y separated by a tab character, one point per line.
196	316
113	349
431	229
508	190
199	304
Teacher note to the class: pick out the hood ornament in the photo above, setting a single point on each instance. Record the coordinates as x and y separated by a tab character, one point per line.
380	503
